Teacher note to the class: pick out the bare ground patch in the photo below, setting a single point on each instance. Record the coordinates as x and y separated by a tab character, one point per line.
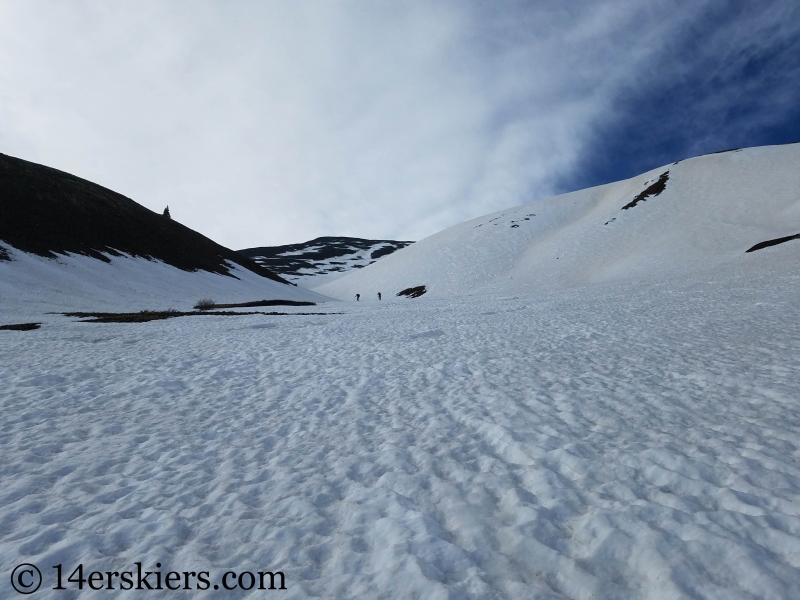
21	326
156	315
211	305
774	242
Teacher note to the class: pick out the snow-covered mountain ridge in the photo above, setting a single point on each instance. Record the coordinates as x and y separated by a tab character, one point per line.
322	259
686	217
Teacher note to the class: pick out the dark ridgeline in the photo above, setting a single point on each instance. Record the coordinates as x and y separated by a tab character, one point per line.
48	212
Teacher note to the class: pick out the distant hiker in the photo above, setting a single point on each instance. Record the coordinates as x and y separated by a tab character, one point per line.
379	295
358	297
166	212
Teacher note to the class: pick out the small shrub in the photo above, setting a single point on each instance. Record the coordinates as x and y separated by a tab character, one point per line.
205	304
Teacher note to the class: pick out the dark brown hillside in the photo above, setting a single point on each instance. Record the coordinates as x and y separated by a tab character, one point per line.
48	212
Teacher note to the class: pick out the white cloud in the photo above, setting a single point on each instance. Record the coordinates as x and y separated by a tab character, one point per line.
268	123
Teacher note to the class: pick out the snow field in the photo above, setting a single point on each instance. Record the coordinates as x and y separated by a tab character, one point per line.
627	441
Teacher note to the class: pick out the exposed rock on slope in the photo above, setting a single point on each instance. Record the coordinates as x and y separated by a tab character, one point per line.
322	256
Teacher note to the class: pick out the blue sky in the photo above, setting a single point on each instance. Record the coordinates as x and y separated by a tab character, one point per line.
731	91
266	123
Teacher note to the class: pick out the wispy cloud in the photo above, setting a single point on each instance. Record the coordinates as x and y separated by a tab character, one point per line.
268	123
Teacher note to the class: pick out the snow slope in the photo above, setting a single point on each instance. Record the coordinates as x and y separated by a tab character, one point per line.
712	210
627	441
31	286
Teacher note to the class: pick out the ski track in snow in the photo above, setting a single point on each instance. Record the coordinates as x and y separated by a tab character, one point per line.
609	442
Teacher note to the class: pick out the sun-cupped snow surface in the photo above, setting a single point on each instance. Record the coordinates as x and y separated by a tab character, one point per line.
711	210
32	285
611	442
